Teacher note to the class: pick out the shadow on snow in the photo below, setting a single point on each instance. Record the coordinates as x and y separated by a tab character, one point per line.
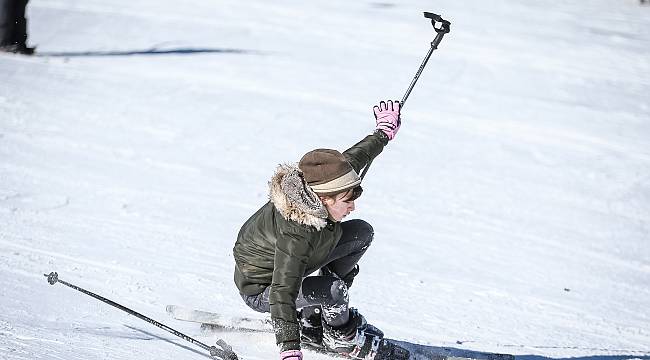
174	341
147	52
424	352
593	357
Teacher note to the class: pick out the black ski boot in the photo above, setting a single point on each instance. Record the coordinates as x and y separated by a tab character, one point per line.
311	326
359	340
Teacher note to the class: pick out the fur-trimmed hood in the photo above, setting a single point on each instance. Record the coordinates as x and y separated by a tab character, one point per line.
294	199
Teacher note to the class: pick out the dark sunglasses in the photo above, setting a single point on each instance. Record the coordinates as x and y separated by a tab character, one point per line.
356	193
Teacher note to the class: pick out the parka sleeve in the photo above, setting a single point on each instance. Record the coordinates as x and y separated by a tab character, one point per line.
291	256
361	153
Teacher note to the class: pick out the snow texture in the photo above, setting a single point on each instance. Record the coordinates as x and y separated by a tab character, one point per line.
511	212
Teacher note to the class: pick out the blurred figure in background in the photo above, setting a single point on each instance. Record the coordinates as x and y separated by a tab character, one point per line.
13	27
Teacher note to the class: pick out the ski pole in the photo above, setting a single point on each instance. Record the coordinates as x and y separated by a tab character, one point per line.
224	353
442	27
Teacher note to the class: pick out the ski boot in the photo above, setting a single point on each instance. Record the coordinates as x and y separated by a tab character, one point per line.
311	327
360	340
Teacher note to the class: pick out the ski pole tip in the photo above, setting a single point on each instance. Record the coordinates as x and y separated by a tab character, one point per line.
52	277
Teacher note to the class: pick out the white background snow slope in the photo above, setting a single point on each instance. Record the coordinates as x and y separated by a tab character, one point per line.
512	211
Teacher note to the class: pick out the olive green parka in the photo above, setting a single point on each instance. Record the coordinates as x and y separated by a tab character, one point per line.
289	238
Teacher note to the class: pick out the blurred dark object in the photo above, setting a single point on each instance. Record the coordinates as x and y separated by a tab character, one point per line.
13	27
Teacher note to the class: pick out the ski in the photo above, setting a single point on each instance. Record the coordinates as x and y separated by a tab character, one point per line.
389	349
216	321
386	349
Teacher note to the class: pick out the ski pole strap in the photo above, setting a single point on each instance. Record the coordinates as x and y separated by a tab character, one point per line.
365	170
224	353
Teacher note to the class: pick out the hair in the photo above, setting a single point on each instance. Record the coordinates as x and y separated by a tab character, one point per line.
333	196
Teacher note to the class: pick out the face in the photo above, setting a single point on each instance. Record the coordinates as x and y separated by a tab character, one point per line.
339	206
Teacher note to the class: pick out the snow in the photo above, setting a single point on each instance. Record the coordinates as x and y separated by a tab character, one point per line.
512	211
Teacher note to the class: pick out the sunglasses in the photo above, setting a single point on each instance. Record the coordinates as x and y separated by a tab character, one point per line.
355	193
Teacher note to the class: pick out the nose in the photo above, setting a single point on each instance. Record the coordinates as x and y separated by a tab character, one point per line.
351	207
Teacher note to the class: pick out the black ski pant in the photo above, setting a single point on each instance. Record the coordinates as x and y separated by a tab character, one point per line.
13	24
329	293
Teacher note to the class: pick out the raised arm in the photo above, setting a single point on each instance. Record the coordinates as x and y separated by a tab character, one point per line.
387	118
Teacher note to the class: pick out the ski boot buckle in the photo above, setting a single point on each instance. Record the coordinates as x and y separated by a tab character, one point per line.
367	345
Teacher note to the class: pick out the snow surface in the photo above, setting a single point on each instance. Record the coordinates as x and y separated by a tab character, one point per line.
512	212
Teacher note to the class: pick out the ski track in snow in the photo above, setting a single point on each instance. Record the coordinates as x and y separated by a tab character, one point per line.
512	212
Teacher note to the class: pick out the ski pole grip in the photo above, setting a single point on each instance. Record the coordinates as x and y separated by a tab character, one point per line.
439	24
52	278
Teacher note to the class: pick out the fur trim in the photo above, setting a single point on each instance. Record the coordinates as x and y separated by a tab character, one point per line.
294	199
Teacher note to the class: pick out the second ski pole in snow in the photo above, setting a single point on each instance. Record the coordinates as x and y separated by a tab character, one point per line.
224	352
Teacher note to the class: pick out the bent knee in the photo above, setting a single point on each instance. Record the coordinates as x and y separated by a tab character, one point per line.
364	232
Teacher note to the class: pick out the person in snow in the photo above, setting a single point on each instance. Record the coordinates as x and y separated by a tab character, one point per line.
300	231
13	27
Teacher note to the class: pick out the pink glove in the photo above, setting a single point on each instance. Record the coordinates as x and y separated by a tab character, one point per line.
291	355
387	115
